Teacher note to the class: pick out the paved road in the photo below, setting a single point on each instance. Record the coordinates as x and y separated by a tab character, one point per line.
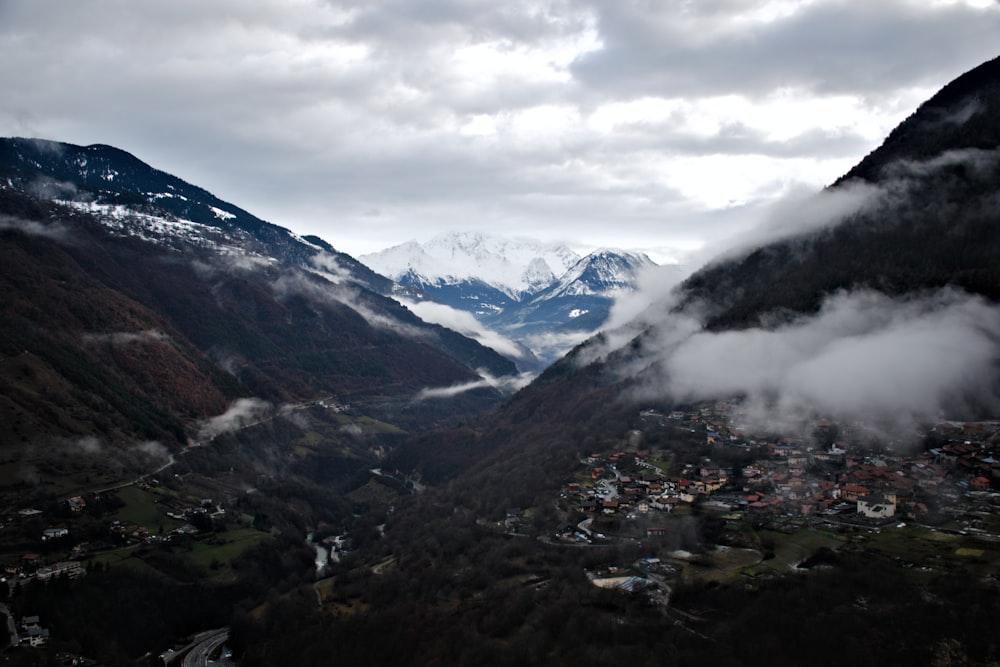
11	627
207	643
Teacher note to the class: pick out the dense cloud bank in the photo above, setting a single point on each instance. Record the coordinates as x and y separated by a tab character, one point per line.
863	357
367	123
889	362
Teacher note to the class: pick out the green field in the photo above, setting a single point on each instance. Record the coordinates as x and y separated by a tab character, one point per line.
126	558
223	547
928	550
790	549
145	508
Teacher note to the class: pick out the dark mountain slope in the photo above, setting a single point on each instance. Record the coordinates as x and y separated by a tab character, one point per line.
916	228
455	584
64	374
108	331
961	115
107	176
926	217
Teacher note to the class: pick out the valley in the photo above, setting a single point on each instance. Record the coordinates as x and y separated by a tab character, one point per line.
224	440
682	501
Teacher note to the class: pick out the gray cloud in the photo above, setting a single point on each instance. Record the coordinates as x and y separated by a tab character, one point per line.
471	114
325	292
466	324
680	48
889	363
153	449
328	267
653	284
552	345
507	384
125	337
50	230
863	357
800	213
87	445
242	412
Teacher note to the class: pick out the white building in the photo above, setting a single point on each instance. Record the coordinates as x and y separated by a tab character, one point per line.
880	506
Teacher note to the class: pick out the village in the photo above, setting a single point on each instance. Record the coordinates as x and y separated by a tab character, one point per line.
61	553
764	479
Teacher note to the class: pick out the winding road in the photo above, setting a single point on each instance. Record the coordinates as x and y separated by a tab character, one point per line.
205	644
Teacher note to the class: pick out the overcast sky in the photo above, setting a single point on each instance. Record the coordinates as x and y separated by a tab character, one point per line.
653	124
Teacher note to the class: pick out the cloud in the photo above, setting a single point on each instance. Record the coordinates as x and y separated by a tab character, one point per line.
800	212
554	118
242	412
466	324
321	291
87	445
226	360
125	337
352	429
50	230
722	47
249	263
153	449
979	165
803	213
294	414
864	356
653	284
328	267
50	188
507	385
550	346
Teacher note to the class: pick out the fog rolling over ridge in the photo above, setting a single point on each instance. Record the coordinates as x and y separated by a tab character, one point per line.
889	363
873	301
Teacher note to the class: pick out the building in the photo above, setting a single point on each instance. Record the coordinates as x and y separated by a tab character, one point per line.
880	506
54	533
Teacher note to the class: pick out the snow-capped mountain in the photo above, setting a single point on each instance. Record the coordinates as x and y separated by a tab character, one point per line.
133	199
580	300
542	295
515	267
256	309
601	273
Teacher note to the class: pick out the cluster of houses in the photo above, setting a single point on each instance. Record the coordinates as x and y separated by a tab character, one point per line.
612	492
31	633
34	565
788	477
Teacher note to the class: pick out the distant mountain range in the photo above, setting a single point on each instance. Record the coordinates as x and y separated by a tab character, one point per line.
545	296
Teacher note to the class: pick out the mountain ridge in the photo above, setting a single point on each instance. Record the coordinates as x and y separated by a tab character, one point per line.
239	306
510	286
915	246
514	266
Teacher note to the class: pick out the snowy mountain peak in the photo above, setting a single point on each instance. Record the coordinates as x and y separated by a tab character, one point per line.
543	295
538	275
603	272
516	267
